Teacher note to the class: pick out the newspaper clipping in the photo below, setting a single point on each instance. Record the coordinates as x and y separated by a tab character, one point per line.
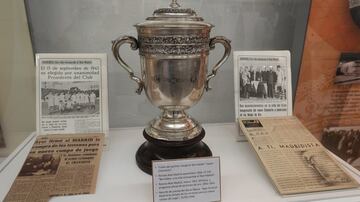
71	93
262	83
293	158
58	165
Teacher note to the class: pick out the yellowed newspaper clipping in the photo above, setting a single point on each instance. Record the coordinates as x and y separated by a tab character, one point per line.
71	93
293	158
58	165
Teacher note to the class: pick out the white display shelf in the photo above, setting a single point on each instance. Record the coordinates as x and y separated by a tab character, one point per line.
242	175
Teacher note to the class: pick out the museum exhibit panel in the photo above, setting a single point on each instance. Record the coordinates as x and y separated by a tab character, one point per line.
179	100
327	97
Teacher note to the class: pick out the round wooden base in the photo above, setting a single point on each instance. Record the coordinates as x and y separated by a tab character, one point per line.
154	149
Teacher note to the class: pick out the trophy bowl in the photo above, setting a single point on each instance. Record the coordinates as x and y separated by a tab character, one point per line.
174	46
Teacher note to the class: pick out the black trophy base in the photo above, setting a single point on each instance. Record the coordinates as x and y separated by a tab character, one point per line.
154	149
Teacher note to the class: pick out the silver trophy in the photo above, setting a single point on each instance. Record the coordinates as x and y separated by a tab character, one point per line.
173	45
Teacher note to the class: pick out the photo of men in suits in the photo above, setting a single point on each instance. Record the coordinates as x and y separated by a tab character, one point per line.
265	81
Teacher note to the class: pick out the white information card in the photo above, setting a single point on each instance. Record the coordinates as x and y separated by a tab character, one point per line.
190	180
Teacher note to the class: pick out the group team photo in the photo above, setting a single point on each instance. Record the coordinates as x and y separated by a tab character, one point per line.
69	98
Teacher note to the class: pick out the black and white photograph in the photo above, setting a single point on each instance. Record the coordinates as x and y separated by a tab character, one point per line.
69	98
344	142
348	69
267	81
262	83
252	124
45	164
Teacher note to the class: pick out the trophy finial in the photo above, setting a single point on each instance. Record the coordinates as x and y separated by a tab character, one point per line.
174	4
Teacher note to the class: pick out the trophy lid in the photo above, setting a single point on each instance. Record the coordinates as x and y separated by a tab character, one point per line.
176	15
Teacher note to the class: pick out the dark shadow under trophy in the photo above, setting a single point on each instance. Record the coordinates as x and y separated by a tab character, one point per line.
173	45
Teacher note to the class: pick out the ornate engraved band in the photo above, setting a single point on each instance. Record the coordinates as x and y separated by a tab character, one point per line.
174	45
174	49
173	39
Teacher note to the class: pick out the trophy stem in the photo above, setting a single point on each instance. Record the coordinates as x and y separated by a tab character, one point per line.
173	114
173	125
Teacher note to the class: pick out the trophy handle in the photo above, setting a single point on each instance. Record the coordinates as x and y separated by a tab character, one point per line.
226	43
134	46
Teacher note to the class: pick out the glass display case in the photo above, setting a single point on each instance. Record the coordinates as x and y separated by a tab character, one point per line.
37	26
321	61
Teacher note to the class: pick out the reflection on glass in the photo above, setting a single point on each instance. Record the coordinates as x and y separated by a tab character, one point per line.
17	82
89	26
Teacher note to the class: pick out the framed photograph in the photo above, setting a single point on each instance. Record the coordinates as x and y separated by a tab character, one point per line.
71	93
262	82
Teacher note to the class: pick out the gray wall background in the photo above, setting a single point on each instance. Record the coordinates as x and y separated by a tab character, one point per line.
88	26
